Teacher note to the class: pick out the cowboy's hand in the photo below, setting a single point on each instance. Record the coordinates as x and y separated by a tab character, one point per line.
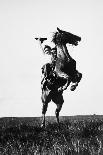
42	40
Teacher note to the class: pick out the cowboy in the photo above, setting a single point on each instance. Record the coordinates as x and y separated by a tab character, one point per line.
48	68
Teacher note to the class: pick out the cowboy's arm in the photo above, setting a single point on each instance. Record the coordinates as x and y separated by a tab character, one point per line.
41	40
41	46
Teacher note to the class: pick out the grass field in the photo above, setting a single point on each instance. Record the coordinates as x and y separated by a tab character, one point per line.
76	135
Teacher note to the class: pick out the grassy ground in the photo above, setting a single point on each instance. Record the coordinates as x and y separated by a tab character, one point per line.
78	135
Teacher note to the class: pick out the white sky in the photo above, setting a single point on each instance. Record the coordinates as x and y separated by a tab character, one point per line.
21	57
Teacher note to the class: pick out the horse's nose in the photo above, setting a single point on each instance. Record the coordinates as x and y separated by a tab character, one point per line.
79	38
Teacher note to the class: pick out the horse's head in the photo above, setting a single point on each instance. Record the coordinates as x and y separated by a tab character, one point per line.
63	37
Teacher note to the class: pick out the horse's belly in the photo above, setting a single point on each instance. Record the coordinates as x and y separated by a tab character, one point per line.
67	67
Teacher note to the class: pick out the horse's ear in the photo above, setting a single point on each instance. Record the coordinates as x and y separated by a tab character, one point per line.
58	29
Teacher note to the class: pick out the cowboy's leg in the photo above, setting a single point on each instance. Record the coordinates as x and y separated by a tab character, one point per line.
58	100
46	98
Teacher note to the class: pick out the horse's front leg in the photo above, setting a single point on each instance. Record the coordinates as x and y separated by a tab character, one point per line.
76	80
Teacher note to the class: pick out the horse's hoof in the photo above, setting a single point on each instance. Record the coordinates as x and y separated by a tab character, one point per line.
73	87
42	125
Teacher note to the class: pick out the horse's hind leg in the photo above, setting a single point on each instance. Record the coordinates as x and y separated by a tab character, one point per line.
44	109
45	100
59	106
57	114
58	99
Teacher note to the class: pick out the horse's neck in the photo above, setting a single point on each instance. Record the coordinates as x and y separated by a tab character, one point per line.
63	51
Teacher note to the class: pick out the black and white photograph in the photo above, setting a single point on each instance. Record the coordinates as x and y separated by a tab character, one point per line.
51	77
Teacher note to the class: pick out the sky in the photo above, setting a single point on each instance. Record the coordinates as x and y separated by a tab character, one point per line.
21	57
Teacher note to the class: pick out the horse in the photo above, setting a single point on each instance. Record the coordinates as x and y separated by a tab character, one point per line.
65	65
64	73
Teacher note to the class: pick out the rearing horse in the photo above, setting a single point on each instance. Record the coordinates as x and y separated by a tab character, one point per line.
65	72
65	64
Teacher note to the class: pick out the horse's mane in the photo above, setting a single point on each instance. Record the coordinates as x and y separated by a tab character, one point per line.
56	38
